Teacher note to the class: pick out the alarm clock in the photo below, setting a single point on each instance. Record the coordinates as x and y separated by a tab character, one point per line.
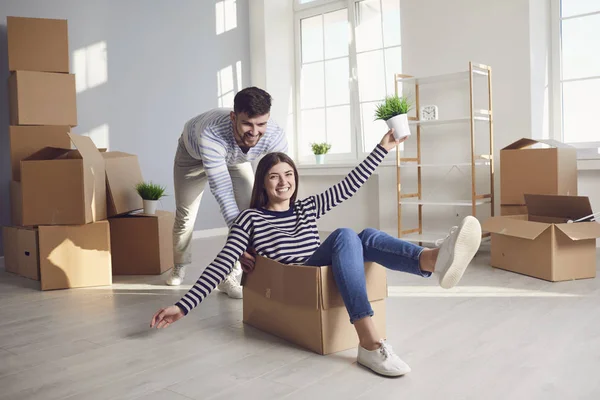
429	113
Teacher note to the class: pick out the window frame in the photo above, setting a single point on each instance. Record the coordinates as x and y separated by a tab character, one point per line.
556	111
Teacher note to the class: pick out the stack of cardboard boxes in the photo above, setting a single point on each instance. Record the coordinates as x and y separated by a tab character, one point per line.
61	183
534	235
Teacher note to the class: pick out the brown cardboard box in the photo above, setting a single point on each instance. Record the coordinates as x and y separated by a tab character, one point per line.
64	186
75	256
26	140
42	98
542	244
122	174
37	44
536	171
16	203
142	244
303	305
513	210
21	252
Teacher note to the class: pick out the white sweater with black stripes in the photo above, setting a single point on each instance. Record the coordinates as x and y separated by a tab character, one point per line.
289	237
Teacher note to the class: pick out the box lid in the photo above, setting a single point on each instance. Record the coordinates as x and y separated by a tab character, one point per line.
565	207
525	142
516	226
580	230
122	174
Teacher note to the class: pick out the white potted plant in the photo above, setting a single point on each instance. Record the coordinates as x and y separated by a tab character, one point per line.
394	112
319	150
150	194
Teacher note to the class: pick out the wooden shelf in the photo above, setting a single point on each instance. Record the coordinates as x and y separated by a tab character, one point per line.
457	203
455	76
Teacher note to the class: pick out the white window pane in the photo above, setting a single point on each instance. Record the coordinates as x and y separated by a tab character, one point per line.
393	65
391	22
312	130
312	86
312	39
306	1
336	82
372	130
371	76
368	25
339	133
580	103
580	43
336	34
576	7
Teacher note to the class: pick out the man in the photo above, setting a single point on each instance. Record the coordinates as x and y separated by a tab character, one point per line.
217	147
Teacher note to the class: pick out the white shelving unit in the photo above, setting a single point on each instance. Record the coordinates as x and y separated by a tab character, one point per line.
475	72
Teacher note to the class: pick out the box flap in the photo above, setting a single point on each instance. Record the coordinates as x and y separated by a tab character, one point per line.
580	230
514	226
49	153
123	172
289	284
565	207
376	281
525	142
86	147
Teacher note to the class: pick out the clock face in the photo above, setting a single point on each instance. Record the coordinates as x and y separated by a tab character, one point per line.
429	113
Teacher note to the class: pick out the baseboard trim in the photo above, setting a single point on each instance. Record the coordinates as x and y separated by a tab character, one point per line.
207	233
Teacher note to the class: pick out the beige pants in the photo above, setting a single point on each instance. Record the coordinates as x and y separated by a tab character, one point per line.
190	181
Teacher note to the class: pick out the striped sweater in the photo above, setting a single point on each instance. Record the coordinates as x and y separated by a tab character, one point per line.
289	237
209	137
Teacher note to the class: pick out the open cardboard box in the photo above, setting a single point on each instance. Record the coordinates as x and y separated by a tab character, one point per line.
303	305
543	244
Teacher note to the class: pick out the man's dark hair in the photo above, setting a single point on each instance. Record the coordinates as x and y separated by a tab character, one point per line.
252	101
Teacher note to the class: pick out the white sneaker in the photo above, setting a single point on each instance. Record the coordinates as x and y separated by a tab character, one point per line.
457	250
177	275
231	287
382	360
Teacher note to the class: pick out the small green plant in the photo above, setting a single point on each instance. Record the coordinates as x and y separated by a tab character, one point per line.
320	148
150	191
392	106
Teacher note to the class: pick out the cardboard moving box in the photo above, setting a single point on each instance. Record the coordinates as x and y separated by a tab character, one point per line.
513	210
27	140
37	44
21	255
64	186
142	244
543	244
122	174
524	170
61	257
303	305
16	203
42	98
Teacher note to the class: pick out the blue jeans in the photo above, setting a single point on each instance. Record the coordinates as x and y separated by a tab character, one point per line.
347	252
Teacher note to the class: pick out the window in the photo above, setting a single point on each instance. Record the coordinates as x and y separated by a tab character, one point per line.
576	69
347	54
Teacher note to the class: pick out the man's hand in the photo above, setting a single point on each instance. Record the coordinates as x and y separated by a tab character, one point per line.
388	141
247	260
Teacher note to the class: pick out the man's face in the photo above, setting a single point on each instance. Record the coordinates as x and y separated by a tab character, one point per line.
248	131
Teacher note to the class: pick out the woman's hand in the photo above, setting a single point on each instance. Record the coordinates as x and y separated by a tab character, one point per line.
166	316
388	141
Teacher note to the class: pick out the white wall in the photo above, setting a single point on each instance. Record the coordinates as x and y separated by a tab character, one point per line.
162	64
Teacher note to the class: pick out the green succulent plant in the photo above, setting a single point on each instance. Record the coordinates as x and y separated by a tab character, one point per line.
320	148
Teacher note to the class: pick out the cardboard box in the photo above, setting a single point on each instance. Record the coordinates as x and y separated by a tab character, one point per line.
42	98
37	44
122	174
543	244
27	140
142	244
21	252
16	203
524	170
64	186
302	304
513	210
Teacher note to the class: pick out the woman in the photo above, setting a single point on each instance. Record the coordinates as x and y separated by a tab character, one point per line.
284	229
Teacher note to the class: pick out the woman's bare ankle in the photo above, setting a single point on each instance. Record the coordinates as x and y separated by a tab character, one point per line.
427	259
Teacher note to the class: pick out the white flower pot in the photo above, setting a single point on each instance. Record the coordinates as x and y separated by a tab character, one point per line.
400	125
150	206
320	158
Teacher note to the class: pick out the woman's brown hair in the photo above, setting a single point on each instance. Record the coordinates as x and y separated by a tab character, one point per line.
259	194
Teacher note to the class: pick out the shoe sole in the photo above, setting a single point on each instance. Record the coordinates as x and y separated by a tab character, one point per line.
384	373
465	248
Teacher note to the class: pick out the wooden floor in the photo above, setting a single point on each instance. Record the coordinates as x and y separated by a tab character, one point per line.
498	336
